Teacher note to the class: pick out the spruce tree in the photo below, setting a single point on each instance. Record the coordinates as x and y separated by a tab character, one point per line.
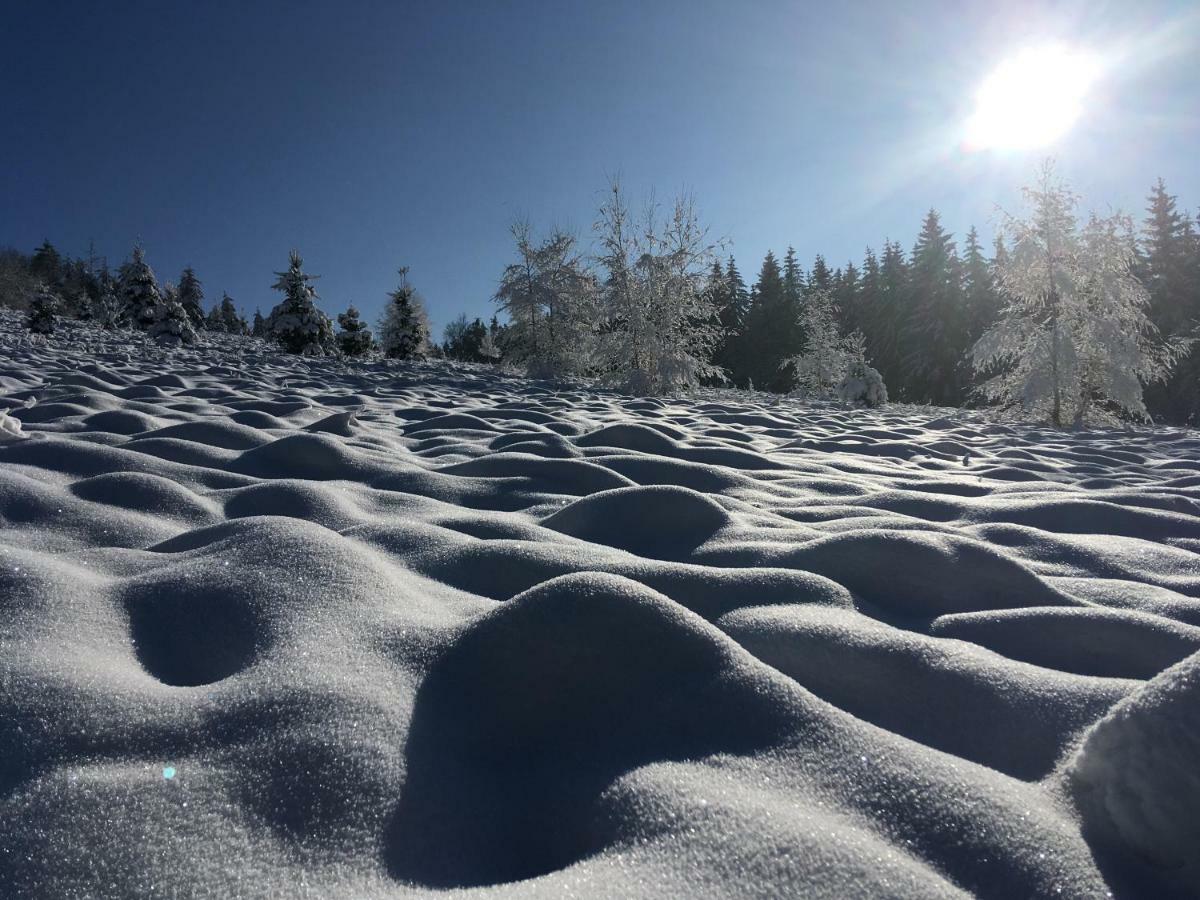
139	290
43	311
934	333
355	338
260	325
404	331
47	264
770	329
887	315
296	323
979	290
191	297
172	325
1168	265
231	320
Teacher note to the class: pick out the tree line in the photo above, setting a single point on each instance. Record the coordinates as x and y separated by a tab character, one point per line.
49	285
1070	320
1065	319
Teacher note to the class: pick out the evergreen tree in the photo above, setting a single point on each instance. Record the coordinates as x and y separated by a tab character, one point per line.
1170	268
404	331
43	311
355	338
868	301
108	311
887	314
820	278
846	287
47	264
979	290
732	300
139	290
172	325
191	297
768	339
260	325
462	339
296	323
934	331
232	321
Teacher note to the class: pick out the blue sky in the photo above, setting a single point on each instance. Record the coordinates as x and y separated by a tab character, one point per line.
371	135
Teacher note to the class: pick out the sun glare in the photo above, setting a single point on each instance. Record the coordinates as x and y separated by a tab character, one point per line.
1032	99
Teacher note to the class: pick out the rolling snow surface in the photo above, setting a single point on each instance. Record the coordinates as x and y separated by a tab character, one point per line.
282	627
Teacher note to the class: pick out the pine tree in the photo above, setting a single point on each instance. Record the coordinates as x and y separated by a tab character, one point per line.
172	325
404	331
355	338
139	290
1073	342
847	298
296	323
43	311
260	325
934	331
191	297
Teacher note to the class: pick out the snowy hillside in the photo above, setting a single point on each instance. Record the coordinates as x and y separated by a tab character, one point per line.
272	626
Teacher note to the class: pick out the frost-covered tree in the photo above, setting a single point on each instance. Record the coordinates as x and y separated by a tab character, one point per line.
139	290
43	311
658	327
191	297
404	329
355	337
547	294
488	348
1073	342
107	309
832	364
173	326
861	384
296	323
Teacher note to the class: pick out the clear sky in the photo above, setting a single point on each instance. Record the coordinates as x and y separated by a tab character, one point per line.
371	135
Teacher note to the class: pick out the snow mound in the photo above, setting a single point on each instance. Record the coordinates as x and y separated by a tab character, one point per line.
1134	777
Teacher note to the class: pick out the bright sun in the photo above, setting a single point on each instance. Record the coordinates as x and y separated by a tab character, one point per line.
1031	99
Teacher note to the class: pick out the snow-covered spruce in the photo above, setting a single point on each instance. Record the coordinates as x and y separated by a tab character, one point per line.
139	291
173	325
43	310
354	339
224	318
404	329
296	323
862	385
191	297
